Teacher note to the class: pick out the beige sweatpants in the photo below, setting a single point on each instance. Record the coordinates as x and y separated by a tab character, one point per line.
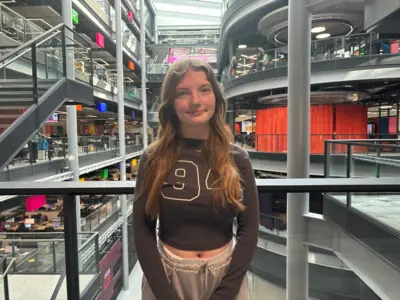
195	279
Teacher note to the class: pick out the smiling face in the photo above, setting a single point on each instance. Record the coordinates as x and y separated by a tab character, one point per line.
194	101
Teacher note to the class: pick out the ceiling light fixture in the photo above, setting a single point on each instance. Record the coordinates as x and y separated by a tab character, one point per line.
323	35
318	29
243	46
385	106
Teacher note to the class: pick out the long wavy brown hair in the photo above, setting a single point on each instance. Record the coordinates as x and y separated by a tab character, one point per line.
164	152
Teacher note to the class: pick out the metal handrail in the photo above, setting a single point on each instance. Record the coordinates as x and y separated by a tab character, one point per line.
93	237
290	185
29	233
102	205
24	52
362	143
33	240
31	42
7	269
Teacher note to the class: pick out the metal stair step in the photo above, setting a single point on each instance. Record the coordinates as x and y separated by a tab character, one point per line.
13	94
17	101
26	81
41	89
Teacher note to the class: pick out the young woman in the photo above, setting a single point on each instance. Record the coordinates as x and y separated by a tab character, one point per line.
195	182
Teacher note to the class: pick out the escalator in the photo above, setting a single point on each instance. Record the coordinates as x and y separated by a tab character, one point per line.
34	84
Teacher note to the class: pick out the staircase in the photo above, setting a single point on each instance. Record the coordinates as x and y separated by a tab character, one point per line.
19	92
34	84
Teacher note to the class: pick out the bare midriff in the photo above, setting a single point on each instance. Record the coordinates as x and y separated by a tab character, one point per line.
196	254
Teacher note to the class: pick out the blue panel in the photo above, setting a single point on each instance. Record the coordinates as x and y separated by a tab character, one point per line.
102	107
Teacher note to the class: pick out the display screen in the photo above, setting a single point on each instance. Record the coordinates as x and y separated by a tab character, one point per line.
247	126
370	128
206	54
53	118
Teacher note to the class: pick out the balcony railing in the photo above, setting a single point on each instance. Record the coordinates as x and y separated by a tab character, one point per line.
70	189
277	143
365	45
49	148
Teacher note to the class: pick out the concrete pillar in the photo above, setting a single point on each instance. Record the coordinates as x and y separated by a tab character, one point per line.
72	119
299	69
121	135
144	77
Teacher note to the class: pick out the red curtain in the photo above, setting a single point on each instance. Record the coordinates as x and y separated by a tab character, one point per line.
237	128
271	128
351	124
321	127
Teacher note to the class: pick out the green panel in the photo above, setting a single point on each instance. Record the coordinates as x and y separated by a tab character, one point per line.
75	17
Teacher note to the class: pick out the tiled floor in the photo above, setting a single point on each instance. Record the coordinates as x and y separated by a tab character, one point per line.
135	283
40	287
384	208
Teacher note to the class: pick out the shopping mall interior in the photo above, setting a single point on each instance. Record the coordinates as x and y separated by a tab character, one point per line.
313	93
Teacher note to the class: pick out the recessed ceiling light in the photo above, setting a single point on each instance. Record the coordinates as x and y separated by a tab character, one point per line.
323	35
242	46
318	29
386	106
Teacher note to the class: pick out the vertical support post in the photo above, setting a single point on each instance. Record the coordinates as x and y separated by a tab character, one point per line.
388	119
144	75
299	69
97	248
231	116
91	67
5	281
46	64
72	119
155	30
378	165
327	159
379	120
71	247
121	136
231	49
397	119
34	74
54	257
348	171
64	52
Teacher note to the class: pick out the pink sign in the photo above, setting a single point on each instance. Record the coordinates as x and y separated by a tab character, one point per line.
100	39
130	16
35	202
206	54
109	274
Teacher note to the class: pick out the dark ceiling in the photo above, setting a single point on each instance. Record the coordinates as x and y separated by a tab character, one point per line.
383	92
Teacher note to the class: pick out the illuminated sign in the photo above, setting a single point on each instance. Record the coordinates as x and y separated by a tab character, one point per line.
100	39
130	16
102	107
75	17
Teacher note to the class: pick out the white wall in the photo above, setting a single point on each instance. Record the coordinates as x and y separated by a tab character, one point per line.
181	22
